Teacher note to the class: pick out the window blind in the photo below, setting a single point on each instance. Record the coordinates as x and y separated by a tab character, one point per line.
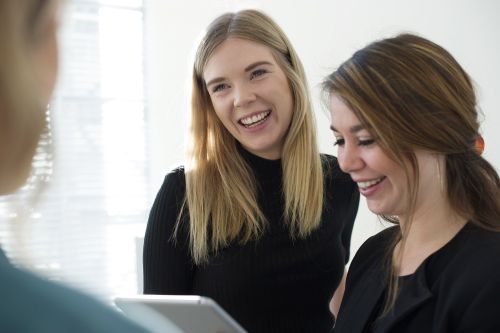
83	229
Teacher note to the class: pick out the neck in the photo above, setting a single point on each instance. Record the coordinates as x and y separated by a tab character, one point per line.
430	228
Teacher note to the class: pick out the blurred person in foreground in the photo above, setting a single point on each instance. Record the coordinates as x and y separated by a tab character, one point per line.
28	70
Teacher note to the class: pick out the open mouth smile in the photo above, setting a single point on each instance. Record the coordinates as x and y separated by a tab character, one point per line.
255	120
367	184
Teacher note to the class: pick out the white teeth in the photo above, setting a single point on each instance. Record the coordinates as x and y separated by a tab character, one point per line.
255	118
369	183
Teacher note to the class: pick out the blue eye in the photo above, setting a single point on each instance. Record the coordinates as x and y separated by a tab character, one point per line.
219	87
258	72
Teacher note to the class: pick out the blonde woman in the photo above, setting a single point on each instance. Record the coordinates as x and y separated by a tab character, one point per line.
28	67
405	119
257	220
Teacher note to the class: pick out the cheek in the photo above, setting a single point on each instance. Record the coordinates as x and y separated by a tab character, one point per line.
340	158
290	105
223	110
397	176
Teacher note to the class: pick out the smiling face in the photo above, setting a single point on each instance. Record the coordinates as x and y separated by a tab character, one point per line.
380	179
250	95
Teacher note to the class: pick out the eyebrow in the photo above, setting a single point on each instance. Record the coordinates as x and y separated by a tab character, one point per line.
257	64
247	69
353	129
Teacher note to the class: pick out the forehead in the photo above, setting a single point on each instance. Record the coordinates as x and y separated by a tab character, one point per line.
342	117
234	55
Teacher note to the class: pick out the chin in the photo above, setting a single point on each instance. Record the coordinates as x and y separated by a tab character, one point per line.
378	210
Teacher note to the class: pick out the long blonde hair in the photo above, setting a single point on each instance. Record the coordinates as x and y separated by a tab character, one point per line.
220	186
412	94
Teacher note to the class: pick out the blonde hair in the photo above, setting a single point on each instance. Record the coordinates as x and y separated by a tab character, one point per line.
412	94
220	186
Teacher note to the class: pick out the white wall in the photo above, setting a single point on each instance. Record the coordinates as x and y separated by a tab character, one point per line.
324	33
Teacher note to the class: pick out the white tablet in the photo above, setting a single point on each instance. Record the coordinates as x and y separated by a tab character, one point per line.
178	313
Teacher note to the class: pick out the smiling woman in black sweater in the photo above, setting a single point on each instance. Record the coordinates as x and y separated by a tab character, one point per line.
258	220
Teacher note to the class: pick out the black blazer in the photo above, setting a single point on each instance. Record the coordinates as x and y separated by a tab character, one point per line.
456	289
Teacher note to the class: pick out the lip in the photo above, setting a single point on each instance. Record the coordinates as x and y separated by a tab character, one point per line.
253	114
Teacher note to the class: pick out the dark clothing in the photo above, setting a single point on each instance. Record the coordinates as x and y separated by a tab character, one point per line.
456	289
31	304
272	284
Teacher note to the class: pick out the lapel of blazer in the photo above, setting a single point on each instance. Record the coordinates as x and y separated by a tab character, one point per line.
364	298
413	295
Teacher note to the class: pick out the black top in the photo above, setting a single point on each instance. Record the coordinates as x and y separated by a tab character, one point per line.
31	304
456	289
272	284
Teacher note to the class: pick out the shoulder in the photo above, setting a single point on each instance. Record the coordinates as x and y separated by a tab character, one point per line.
478	250
176	177
30	303
330	164
173	187
383	237
333	173
466	279
374	250
169	201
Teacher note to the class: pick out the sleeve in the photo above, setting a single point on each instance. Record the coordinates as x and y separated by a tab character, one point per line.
167	264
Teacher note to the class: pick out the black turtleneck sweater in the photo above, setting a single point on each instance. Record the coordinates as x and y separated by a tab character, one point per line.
271	284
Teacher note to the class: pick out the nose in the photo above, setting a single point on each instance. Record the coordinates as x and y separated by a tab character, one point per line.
350	159
243	95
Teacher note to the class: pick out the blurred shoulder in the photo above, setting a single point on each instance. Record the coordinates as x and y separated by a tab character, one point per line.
33	304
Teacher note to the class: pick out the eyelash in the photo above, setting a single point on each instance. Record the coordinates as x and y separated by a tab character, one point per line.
219	87
258	72
340	142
